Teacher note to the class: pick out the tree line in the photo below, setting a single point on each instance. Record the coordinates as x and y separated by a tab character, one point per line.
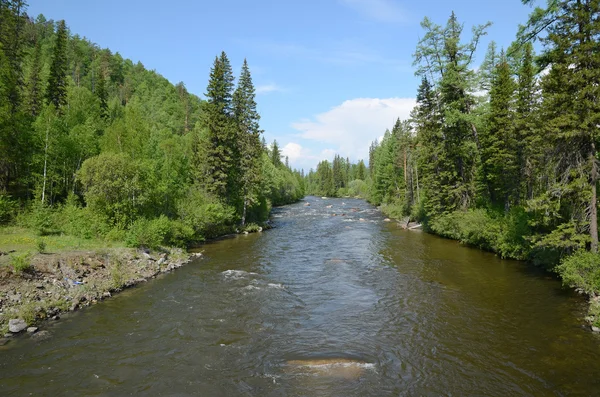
95	145
504	157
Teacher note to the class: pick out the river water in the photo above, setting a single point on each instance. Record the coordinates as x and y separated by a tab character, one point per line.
332	302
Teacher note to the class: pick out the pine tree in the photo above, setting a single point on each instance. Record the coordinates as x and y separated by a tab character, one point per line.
275	154
56	92
248	139
499	148
34	85
220	153
528	135
442	57
102	94
571	104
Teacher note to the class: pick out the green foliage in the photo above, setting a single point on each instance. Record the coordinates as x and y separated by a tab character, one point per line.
8	208
21	263
582	271
159	232
41	245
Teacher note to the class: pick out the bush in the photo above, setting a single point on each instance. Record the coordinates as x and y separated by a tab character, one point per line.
252	228
359	188
582	271
8	208
81	222
41	245
159	232
21	263
205	215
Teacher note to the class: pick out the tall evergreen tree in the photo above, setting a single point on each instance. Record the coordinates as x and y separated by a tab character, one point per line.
221	132
248	139
499	147
56	93
571	103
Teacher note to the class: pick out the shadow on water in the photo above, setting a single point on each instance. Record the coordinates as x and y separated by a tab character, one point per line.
331	302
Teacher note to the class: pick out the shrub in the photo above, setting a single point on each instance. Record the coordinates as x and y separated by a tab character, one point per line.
41	245
8	208
158	232
252	228
582	271
21	263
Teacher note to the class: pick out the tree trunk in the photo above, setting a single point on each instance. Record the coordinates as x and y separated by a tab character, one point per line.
45	164
244	211
593	202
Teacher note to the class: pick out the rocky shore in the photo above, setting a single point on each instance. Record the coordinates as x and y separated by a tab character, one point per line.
59	283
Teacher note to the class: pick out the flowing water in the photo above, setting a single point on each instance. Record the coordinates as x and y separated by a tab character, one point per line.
322	305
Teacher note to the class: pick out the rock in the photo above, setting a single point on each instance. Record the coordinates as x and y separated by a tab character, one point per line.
16	325
39	286
32	330
260	229
361	220
3	341
161	261
328	206
387	220
595	329
42	335
8	335
245	232
307	205
106	294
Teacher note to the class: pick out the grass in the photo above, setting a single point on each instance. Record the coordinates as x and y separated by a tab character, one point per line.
22	240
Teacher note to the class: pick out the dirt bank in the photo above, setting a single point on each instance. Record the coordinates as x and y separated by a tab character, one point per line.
58	283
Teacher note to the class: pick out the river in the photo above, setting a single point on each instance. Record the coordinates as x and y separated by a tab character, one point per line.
332	302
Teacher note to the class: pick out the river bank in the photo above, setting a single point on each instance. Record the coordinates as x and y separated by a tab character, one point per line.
477	237
53	284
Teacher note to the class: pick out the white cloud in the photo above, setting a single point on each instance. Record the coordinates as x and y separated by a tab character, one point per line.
266	88
301	157
354	124
380	10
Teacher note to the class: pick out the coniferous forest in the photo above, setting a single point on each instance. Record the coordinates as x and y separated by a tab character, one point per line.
503	155
96	146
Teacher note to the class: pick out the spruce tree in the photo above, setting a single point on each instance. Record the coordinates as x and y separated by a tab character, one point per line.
571	105
221	134
499	148
56	93
34	85
248	140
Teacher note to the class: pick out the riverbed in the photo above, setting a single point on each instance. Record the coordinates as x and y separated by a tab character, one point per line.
333	301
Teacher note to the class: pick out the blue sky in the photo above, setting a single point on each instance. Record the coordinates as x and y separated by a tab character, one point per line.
331	75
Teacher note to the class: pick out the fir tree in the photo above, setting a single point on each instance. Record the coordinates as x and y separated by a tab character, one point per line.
499	149
220	128
56	93
248	139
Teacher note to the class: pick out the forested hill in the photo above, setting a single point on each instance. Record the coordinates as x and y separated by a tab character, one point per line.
95	145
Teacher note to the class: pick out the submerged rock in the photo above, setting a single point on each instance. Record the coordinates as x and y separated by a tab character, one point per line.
42	335
16	325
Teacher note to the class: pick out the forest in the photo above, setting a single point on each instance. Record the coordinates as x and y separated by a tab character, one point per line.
96	146
503	155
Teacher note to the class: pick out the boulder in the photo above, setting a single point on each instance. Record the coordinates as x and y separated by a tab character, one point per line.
387	220
16	325
595	329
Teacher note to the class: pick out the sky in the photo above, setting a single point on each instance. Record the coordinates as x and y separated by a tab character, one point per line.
330	75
